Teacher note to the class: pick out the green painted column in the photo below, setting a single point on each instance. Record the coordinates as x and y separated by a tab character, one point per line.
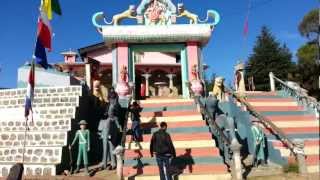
184	73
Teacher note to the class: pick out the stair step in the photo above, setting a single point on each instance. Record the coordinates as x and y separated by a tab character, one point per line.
279	108
195	152
166	104
270	99
196	169
180	137
302	117
280	103
179	161
180	144
199	123
297	130
171	119
163	101
187	177
168	113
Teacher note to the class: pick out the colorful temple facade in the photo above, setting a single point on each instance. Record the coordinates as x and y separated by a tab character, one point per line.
159	55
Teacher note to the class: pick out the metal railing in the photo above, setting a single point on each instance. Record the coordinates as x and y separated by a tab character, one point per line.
301	97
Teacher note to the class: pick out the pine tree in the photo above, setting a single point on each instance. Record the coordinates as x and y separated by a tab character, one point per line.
268	56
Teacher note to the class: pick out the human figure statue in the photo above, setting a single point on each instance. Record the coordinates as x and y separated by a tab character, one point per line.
218	89
259	144
211	104
83	135
135	110
103	129
162	147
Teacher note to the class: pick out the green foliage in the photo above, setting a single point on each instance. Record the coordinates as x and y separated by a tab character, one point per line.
308	54
309	26
268	56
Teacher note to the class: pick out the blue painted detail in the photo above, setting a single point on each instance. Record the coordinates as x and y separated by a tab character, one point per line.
184	73
180	160
169	108
215	15
97	17
274	155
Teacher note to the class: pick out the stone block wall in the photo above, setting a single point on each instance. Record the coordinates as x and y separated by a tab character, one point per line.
54	109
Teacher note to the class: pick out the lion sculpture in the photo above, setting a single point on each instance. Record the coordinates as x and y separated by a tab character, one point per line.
129	13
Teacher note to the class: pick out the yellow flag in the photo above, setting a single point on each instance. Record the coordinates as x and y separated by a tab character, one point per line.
46	6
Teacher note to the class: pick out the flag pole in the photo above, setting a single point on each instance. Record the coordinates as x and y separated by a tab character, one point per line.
32	68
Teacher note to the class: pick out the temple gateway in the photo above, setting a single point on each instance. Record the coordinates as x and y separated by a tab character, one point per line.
155	57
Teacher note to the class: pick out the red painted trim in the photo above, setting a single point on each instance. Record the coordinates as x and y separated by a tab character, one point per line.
313	159
278	143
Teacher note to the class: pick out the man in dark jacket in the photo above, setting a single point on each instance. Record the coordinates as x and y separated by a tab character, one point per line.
162	147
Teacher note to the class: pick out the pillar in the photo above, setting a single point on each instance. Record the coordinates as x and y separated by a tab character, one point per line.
300	155
171	76
114	66
236	169
272	83
88	74
193	57
184	74
123	58
147	76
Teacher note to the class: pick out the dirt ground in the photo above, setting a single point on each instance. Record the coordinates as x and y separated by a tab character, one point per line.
289	176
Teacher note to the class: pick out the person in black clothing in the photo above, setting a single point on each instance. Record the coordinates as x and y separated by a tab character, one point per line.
162	147
135	110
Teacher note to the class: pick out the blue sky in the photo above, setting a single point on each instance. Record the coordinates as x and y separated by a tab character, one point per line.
74	29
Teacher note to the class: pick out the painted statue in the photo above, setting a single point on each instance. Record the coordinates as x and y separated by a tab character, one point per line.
83	137
218	89
196	84
182	12
239	79
156	12
123	88
259	144
128	14
194	18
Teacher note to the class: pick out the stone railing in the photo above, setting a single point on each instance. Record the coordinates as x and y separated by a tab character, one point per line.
298	94
296	148
227	141
40	147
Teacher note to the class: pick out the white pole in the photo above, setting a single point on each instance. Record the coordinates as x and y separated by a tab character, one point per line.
272	84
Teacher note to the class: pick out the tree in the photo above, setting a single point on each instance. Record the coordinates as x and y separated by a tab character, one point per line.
308	68
268	56
309	26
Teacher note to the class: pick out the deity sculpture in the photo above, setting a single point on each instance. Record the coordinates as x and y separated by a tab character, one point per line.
156	12
239	79
123	88
196	84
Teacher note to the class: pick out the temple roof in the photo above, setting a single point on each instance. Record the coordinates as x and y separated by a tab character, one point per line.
157	34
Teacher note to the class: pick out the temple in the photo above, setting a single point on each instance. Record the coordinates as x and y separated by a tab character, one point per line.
160	55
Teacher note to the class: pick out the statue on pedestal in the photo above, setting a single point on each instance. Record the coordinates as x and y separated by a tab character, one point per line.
123	86
239	78
83	135
196	84
218	89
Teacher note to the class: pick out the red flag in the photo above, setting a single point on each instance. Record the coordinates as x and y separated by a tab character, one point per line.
44	30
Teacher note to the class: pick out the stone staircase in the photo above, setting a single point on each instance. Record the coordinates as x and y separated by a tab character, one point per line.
294	120
197	155
54	109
